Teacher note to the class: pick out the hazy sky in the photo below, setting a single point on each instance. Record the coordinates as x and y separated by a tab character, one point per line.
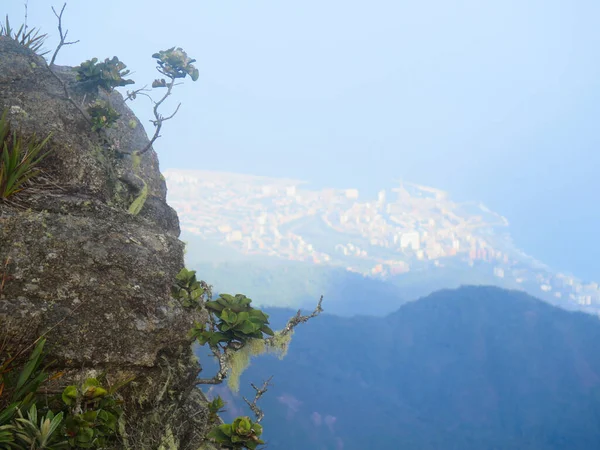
497	101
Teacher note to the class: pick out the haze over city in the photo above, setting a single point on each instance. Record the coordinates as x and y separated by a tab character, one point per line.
494	102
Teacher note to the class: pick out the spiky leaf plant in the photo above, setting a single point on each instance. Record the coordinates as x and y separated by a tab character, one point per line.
44	434
18	159
32	39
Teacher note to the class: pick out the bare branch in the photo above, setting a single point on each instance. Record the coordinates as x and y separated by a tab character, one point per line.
61	82
26	4
68	95
259	393
221	354
63	36
133	94
222	372
297	320
158	121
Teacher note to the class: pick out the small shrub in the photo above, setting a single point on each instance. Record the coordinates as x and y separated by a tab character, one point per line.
106	75
216	406
103	115
242	433
237	321
188	289
18	159
93	414
174	63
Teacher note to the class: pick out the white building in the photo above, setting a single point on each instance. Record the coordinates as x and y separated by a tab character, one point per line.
411	239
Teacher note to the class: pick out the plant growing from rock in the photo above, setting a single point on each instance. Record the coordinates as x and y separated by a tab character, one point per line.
235	330
236	322
19	159
174	64
43	435
31	39
93	414
241	433
216	406
106	75
103	115
20	380
188	290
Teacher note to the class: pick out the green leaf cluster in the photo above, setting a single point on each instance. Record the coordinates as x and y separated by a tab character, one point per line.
237	321
242	433
18	159
106	75
94	412
187	288
18	389
102	114
175	63
45	434
31	39
83	416
215	407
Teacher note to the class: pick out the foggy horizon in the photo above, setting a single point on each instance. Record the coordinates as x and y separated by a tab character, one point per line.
495	103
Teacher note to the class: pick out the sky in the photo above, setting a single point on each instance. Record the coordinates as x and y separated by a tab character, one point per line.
495	101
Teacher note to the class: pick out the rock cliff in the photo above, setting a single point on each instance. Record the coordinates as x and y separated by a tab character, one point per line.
78	266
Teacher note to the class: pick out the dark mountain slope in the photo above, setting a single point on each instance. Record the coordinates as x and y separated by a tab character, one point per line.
471	368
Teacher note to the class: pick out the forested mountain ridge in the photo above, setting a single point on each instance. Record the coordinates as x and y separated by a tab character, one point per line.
471	368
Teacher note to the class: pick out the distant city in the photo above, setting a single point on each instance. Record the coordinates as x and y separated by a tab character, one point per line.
405	229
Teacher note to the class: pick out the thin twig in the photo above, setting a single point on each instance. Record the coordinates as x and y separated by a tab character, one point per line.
158	121
259	393
297	320
68	96
142	91
63	37
222	358
62	83
26	15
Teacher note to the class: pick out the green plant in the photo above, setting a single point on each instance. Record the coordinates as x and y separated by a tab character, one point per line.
93	414
18	159
102	114
45	435
242	433
188	289
174	63
238	322
216	406
106	75
136	206
31	39
18	388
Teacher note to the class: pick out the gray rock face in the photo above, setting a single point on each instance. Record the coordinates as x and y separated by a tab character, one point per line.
78	264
